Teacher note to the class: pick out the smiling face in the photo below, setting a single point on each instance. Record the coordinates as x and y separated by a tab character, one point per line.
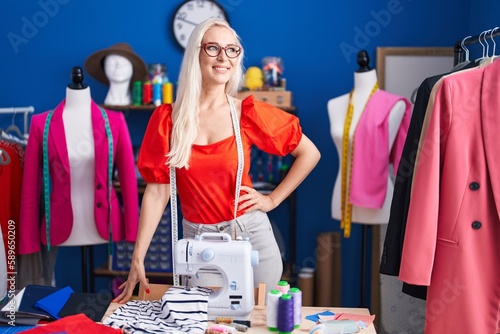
217	70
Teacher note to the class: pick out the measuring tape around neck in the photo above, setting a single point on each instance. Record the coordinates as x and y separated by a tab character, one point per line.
173	187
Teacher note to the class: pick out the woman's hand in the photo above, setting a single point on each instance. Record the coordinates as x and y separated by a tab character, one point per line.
136	274
254	200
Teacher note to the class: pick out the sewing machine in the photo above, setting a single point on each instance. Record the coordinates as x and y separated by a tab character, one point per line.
233	259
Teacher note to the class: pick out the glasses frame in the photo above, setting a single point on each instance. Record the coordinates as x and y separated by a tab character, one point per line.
203	46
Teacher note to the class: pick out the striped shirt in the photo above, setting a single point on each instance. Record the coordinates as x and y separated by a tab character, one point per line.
180	310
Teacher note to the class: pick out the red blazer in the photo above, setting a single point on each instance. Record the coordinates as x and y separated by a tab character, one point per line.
32	219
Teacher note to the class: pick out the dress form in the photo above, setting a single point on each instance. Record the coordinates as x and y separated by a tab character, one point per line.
80	142
365	79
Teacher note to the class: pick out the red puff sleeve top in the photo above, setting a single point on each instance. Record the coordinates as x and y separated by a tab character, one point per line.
207	189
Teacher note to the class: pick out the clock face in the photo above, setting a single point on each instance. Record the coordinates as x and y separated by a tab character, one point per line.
190	14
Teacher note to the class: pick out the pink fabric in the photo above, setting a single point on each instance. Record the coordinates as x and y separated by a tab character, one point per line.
124	222
371	156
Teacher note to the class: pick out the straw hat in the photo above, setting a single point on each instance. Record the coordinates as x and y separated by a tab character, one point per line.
94	63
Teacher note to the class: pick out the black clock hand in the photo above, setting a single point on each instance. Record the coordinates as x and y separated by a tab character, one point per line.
181	19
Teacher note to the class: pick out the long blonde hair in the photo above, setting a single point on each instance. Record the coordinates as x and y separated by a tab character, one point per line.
185	111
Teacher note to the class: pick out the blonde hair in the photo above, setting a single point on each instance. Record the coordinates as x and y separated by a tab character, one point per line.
185	111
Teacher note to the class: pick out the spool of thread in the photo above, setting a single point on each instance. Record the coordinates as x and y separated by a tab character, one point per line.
147	93
272	301
137	93
238	327
285	314
157	94
216	330
168	92
297	306
223	320
283	286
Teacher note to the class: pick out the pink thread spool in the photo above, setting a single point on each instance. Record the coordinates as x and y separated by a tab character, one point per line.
283	287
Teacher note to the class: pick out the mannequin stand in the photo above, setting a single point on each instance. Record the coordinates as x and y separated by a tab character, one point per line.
366	229
87	256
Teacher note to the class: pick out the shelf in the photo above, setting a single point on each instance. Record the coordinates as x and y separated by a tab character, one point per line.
150	108
103	270
140	188
145	108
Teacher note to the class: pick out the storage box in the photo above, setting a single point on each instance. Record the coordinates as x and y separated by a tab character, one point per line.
159	255
274	97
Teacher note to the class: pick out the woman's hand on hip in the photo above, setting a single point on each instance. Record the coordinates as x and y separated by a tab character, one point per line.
253	200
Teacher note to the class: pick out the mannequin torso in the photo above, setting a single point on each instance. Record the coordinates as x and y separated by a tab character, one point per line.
80	142
119	71
337	110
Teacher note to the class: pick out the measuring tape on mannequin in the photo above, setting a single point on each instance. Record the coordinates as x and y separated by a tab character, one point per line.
173	187
47	185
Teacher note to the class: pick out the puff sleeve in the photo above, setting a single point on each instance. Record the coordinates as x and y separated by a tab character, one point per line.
271	129
152	161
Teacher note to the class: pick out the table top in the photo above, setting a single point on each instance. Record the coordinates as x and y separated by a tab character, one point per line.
258	318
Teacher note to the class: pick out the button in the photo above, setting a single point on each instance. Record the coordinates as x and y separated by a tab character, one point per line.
99	204
476	225
474	186
221	228
99	186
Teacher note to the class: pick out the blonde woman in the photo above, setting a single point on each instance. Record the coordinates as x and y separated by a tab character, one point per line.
196	136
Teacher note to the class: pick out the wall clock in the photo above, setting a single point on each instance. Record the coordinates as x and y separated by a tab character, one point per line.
192	12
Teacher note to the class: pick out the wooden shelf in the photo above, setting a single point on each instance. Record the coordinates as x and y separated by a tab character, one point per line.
150	108
103	270
145	108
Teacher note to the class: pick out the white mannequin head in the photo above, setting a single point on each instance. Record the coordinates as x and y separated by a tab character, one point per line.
118	68
119	71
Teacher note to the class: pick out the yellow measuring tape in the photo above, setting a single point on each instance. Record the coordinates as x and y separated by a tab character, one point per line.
345	205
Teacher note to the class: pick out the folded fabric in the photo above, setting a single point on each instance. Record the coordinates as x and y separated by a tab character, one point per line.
54	302
93	305
32	294
74	324
180	310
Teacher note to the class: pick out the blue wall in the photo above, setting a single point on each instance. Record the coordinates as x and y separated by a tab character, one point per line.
40	41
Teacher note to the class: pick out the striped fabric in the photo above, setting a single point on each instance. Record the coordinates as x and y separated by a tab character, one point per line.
180	310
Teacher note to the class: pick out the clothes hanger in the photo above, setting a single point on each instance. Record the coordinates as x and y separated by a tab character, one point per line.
485	46
494	44
466	61
13	129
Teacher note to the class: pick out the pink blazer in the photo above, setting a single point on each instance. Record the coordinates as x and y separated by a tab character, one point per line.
451	241
32	220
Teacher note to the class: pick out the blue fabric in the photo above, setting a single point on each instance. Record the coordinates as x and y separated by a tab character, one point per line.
14	329
54	302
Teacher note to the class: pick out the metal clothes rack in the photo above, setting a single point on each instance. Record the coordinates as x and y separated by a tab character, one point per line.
21	110
459	45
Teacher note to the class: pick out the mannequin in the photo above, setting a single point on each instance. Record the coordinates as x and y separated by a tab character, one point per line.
119	71
80	142
364	80
117	66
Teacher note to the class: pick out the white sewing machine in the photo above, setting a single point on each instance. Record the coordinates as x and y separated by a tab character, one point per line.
233	259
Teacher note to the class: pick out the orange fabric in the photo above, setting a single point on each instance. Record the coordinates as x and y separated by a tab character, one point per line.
206	189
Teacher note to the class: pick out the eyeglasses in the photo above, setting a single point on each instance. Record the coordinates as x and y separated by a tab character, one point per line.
214	49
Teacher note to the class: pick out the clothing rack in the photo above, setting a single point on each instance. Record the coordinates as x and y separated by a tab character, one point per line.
24	110
482	37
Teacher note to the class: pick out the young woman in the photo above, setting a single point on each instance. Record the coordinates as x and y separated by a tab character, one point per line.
197	136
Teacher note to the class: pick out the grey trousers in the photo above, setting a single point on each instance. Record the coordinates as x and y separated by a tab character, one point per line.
257	228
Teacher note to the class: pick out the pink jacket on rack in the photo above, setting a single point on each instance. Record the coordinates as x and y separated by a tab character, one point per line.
125	221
